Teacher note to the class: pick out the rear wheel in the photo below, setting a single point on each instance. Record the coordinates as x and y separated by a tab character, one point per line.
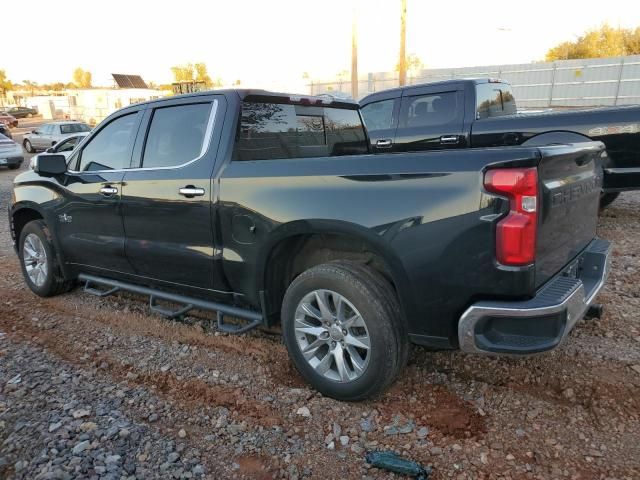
38	260
343	330
14	167
607	198
28	147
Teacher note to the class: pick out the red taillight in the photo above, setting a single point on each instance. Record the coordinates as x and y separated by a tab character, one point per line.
516	233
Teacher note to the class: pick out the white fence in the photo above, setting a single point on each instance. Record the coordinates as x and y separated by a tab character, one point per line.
565	83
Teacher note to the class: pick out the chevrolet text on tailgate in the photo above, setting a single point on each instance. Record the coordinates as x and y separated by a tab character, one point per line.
268	208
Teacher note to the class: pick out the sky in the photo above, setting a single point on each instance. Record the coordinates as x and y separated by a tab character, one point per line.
271	44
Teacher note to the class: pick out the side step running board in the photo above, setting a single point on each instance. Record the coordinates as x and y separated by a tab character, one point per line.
254	319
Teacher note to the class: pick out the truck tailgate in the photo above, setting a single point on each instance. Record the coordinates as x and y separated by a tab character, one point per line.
570	178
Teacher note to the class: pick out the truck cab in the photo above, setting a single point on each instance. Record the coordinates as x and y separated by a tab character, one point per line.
482	112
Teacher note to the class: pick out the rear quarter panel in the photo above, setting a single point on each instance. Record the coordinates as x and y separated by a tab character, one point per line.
426	214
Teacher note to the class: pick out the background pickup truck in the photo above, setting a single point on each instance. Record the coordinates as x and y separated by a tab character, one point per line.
482	113
269	208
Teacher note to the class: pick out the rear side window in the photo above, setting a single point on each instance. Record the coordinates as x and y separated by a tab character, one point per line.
494	100
176	135
270	131
379	115
110	148
430	110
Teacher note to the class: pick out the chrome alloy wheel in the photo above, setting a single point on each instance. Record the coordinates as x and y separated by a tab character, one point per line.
332	336
34	257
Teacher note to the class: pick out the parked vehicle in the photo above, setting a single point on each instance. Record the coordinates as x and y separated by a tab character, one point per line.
6	131
65	147
10	153
269	208
22	112
481	113
49	134
8	120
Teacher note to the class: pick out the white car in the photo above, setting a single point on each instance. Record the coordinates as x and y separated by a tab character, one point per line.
50	134
10	153
65	147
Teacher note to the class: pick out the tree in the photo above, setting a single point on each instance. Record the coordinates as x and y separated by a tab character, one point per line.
202	75
605	41
81	78
5	84
191	72
30	85
412	63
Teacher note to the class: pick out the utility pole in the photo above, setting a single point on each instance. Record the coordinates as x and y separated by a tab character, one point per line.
402	63
354	54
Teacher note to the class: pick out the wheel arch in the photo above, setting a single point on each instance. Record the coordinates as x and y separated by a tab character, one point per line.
25	212
297	246
21	214
555	137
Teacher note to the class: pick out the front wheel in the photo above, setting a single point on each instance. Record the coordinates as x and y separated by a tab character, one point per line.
343	330
28	147
38	260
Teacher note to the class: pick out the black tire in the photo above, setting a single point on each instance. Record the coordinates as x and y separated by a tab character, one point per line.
28	147
54	283
607	198
14	167
375	299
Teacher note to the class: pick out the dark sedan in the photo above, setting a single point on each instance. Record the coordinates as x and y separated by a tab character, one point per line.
22	112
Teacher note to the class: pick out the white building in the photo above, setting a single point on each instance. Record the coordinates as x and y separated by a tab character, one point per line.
91	105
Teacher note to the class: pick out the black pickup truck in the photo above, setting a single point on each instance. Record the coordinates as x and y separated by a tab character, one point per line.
480	113
269	208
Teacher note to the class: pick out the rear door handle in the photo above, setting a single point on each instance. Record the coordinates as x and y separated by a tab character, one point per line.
449	139
384	143
190	191
108	191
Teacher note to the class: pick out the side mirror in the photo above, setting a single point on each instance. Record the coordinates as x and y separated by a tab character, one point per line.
34	132
50	165
50	150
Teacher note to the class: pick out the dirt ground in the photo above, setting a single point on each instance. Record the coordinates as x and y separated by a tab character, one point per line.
101	388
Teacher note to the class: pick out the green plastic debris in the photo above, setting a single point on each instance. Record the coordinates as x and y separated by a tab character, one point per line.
391	461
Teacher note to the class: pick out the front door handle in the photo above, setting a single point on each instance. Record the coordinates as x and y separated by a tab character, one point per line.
384	143
108	191
190	191
449	139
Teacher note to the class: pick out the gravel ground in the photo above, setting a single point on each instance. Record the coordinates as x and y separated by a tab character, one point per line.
101	388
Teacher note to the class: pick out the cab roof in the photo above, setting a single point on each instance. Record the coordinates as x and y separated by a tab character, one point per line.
266	96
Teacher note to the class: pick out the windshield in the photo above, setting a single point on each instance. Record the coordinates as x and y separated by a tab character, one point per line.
74	128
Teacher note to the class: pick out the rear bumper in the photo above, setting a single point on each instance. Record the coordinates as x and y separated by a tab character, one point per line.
541	323
621	179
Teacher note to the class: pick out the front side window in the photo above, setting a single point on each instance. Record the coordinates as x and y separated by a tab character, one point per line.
45	130
176	135
430	110
379	115
67	145
110	148
270	131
